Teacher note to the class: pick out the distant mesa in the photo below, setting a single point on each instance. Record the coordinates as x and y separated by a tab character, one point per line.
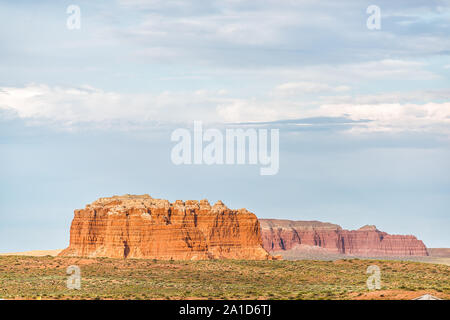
139	226
34	253
285	235
439	252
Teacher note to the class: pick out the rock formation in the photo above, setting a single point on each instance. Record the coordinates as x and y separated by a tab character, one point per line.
279	235
439	252
142	227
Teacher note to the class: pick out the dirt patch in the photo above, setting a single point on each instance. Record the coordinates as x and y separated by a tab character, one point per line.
397	295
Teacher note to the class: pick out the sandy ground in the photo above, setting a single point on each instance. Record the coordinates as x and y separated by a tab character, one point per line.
396	295
34	253
439	255
288	255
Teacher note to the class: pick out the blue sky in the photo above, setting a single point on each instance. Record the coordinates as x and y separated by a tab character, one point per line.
364	115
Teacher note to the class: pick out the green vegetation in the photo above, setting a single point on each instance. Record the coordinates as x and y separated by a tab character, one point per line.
102	278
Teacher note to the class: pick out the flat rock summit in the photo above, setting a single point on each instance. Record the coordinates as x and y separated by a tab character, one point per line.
139	226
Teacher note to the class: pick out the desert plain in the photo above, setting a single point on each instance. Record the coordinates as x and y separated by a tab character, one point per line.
45	277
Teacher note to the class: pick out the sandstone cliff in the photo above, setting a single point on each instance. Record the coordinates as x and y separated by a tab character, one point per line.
142	227
279	235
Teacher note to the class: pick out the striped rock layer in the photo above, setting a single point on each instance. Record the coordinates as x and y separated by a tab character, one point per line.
279	235
142	227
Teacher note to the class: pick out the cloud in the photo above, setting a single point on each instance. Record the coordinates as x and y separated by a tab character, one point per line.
416	96
390	69
294	33
81	106
71	106
394	117
336	77
304	87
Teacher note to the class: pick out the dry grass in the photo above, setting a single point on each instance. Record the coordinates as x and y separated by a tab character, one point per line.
103	278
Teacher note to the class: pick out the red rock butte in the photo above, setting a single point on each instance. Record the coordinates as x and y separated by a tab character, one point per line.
279	235
138	226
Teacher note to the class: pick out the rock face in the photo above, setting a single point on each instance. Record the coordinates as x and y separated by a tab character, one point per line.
142	227
439	252
279	235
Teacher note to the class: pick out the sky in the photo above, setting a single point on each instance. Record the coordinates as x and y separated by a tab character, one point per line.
363	113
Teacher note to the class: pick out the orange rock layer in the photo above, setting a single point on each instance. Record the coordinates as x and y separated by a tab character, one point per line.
279	235
142	227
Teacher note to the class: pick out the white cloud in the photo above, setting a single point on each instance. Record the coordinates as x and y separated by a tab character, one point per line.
389	69
252	110
70	107
387	117
416	96
329	76
394	117
304	87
